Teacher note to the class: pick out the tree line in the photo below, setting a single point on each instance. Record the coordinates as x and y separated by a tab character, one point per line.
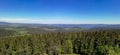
83	43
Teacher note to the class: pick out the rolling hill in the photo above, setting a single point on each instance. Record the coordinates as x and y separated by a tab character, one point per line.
22	29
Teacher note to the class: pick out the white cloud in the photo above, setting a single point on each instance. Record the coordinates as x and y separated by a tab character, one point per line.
41	21
16	20
57	21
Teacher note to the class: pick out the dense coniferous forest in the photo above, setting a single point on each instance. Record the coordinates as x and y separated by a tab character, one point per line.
81	43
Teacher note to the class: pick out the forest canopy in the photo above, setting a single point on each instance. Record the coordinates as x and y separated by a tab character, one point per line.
84	43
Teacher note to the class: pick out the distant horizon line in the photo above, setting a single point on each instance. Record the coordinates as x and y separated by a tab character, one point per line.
61	23
56	21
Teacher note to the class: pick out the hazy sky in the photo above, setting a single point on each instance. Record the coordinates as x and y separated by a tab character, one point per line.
60	11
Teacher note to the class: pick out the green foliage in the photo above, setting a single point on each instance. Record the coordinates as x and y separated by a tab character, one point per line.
82	43
19	31
6	33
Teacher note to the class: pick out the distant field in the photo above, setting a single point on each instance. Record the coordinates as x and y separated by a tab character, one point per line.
20	31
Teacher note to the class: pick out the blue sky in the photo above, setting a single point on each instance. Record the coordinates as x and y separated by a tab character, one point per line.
60	11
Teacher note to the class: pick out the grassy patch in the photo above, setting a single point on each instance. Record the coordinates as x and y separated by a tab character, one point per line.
20	31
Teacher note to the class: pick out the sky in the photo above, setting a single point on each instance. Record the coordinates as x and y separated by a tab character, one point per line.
60	11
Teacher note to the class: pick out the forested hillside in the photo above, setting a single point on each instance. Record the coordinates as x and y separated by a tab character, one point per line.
6	33
82	43
42	39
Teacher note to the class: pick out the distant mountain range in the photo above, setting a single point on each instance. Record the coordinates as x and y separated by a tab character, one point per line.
18	29
4	23
62	26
